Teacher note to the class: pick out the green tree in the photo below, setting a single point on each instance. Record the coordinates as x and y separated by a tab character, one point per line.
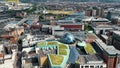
87	27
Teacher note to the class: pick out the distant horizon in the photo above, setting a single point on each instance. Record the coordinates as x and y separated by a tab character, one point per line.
71	0
105	1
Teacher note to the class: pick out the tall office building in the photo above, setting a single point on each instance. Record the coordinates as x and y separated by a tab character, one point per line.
99	11
14	1
109	16
90	12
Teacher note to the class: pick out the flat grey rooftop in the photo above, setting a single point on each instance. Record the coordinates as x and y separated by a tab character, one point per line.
116	32
109	49
89	59
93	58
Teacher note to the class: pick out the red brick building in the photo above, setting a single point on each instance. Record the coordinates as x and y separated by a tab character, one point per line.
90	12
108	53
90	37
116	39
73	26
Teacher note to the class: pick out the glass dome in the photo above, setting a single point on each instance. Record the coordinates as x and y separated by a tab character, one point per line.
68	38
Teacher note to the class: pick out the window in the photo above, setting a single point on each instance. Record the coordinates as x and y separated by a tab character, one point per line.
101	66
91	66
86	66
96	66
82	66
111	63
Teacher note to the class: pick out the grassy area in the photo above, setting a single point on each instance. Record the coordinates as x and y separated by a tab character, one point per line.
11	0
60	12
62	52
56	59
62	46
87	27
41	43
89	49
52	43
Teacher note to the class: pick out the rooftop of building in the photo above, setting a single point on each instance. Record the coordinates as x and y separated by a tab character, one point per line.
68	38
117	32
46	51
104	36
101	26
93	58
27	50
7	64
58	60
7	21
89	49
91	36
74	54
89	59
29	56
104	26
110	50
54	49
100	20
50	26
78	23
80	35
95	19
87	18
8	26
9	60
11	26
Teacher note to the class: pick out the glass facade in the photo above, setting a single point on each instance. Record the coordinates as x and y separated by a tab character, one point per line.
68	38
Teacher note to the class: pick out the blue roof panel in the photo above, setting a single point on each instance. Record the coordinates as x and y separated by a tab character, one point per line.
74	54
